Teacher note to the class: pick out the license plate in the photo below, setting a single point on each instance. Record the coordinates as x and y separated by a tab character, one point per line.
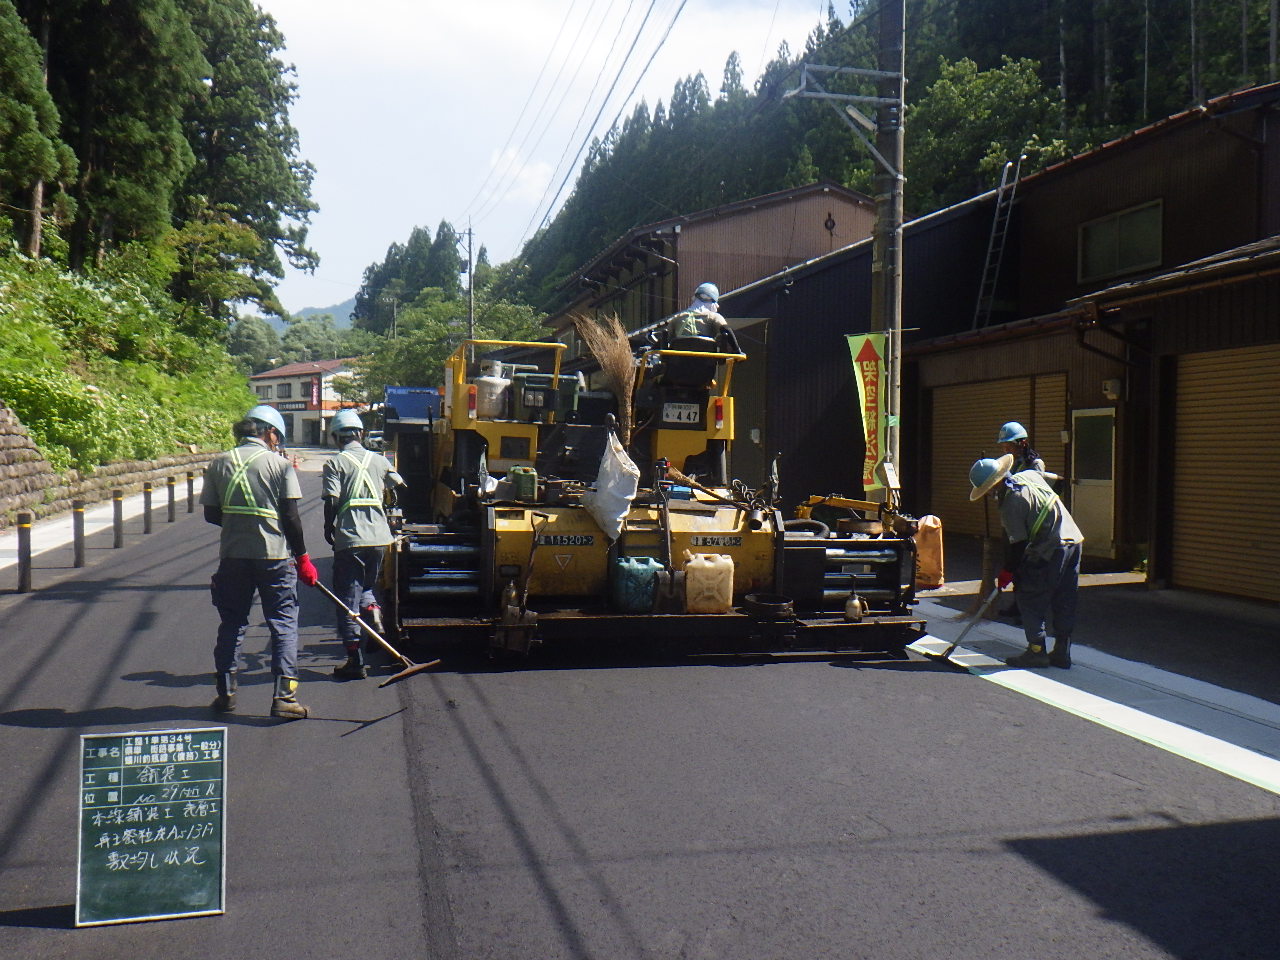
681	413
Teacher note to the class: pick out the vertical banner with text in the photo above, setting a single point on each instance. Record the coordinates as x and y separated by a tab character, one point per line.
867	351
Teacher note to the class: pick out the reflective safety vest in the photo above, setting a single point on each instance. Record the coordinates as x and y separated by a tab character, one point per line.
239	482
1042	490
364	492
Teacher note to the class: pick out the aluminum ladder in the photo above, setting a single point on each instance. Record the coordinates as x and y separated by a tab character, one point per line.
995	245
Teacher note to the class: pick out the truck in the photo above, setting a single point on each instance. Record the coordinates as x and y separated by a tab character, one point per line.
537	509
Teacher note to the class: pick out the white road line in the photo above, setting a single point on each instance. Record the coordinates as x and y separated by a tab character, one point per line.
1194	745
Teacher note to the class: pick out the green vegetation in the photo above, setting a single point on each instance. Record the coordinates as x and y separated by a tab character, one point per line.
94	367
988	80
149	183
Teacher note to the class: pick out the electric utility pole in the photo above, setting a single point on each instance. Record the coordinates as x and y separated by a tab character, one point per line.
471	285
887	149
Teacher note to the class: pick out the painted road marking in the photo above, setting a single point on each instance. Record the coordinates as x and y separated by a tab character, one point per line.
1199	747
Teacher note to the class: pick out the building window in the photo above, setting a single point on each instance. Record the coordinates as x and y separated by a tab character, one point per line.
284	391
264	393
1121	243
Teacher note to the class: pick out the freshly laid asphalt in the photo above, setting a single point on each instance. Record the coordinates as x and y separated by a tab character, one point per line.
102	649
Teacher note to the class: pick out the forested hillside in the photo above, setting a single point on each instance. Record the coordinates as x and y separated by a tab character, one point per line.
988	80
149	182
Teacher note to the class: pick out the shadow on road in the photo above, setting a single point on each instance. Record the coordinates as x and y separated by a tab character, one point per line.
61	917
1204	891
130	717
468	657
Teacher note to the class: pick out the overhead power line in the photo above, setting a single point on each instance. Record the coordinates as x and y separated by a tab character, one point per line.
542	121
596	120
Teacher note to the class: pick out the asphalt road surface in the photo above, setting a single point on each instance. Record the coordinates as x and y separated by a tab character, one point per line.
607	807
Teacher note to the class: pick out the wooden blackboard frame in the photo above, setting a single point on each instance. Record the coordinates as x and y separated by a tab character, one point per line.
152	833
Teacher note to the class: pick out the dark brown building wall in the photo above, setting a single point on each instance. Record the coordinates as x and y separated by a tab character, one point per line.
735	250
1231	314
1207	175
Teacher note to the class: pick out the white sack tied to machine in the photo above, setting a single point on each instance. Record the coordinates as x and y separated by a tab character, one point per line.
616	486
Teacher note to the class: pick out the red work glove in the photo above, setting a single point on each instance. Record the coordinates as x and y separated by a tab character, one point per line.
1004	578
307	572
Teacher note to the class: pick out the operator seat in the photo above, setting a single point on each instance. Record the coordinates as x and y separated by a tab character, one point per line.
690	371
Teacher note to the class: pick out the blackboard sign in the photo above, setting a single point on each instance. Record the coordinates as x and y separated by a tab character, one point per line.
152	826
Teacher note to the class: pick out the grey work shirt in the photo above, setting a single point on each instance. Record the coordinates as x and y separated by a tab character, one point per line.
1023	498
355	479
249	483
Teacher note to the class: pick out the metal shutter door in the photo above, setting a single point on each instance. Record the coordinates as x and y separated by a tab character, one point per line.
1050	420
1226	473
966	418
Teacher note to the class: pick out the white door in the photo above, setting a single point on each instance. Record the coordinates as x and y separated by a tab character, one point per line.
1093	484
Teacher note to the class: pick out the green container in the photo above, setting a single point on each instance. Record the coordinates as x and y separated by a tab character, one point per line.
525	480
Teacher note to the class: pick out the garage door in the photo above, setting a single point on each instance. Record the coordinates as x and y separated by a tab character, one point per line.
966	418
1226	493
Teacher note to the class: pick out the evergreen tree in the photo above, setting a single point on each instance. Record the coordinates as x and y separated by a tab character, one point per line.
31	151
246	150
443	263
121	72
254	342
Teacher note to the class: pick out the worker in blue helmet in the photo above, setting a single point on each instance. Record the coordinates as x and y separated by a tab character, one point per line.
1042	556
354	485
252	494
1012	439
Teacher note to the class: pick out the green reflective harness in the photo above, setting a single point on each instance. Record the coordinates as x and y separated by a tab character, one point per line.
1041	488
363	483
240	482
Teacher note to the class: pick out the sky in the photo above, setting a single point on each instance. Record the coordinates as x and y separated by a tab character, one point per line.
418	111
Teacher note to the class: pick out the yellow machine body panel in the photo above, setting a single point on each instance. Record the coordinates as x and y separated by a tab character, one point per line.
725	531
572	556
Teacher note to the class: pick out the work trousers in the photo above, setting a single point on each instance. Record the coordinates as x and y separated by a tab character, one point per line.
355	571
276	584
1048	588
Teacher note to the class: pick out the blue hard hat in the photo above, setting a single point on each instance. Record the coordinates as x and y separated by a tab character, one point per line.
708	292
1011	432
986	473
265	413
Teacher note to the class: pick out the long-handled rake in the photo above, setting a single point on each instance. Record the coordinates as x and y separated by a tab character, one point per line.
410	668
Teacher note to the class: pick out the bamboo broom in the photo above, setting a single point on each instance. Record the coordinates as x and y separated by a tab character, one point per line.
608	344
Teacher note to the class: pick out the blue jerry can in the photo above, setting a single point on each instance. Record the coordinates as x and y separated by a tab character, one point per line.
632	584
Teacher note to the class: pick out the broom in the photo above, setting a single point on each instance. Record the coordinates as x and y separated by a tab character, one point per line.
608	344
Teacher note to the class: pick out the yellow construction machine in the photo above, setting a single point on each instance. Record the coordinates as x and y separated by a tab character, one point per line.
526	519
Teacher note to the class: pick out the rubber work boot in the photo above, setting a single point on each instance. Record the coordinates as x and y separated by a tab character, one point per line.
372	615
225	701
285	702
1033	656
354	668
1061	655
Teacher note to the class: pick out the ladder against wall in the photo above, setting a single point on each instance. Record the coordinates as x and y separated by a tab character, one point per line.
995	245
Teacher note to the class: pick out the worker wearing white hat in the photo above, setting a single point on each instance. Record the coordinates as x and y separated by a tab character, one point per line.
252	494
353	484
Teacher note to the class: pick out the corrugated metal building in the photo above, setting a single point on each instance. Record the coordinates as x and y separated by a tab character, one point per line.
652	271
1142	278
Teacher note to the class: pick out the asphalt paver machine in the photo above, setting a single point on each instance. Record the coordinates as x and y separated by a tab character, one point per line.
527	518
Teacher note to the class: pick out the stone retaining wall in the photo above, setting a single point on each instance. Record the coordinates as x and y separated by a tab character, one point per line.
28	482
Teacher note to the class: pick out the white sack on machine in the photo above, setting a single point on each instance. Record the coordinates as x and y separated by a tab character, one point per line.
615	488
